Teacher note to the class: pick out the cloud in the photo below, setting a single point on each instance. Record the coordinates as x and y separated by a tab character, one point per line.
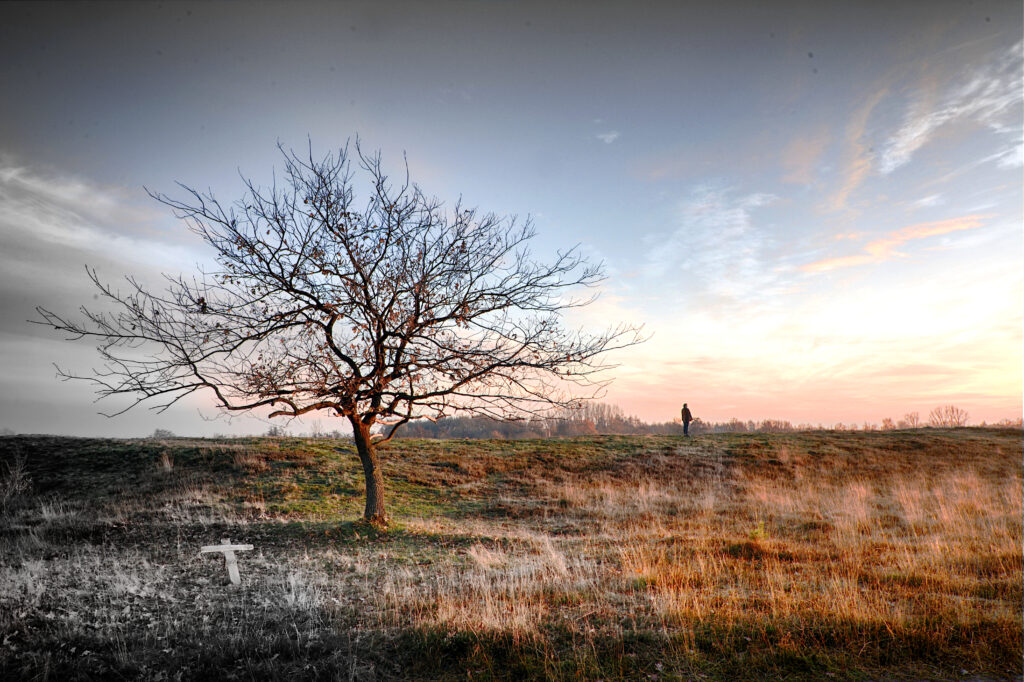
852	236
608	137
800	157
1012	157
884	249
929	201
52	226
989	95
716	251
858	157
51	211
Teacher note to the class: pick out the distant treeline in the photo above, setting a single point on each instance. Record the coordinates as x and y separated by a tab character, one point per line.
592	418
601	418
486	428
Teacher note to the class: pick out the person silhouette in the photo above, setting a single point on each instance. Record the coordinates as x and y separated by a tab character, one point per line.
687	418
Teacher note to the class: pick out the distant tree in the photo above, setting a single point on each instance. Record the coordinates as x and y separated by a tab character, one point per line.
912	419
775	426
887	424
400	310
736	426
948	416
162	433
1010	423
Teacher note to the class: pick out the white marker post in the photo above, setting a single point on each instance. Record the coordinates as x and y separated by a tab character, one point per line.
229	556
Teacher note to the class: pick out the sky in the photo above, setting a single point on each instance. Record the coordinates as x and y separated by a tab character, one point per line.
814	209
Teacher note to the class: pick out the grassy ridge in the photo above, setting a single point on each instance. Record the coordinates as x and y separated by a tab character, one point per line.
807	555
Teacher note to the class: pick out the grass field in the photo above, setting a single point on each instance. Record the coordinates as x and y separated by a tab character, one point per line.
818	555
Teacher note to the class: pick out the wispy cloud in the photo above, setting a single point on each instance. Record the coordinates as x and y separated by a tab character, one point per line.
801	157
52	226
885	248
988	95
717	250
929	201
852	236
74	213
609	136
858	156
1012	157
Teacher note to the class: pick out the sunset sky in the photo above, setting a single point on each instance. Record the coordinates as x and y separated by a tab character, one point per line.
815	209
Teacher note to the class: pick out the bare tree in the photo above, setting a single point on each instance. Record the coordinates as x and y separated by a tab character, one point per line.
948	415
394	310
912	419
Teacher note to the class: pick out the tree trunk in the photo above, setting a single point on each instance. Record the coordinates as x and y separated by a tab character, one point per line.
374	510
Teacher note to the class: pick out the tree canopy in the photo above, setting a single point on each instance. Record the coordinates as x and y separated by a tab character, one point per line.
382	309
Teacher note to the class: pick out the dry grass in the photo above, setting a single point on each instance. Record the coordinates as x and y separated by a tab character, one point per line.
791	556
892	555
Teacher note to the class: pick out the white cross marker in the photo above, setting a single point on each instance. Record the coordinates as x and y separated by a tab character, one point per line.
229	556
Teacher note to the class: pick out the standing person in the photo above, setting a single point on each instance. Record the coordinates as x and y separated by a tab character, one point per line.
687	418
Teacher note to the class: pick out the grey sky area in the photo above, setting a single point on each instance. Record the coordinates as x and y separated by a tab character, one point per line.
764	181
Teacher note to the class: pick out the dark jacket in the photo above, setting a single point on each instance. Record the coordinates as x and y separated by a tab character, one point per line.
687	417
